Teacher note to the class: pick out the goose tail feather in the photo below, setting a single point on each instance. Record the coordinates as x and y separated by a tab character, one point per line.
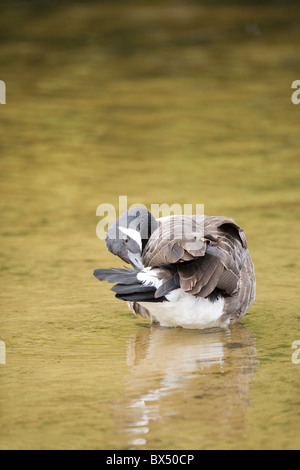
127	286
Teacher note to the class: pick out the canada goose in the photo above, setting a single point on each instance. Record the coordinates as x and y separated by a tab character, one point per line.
188	271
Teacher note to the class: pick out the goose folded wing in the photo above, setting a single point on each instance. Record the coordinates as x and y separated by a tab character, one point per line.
175	240
203	261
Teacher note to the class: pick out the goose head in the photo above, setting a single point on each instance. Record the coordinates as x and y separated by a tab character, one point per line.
128	236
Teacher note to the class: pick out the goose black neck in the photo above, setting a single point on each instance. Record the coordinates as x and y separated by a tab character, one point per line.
152	225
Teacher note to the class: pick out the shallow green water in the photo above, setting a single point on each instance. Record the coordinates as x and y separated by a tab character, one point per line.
175	102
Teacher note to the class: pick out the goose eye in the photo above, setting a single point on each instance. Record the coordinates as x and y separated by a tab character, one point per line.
126	239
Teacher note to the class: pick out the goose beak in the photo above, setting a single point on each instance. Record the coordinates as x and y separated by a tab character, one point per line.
136	260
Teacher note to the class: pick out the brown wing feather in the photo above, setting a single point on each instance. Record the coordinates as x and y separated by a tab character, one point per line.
216	256
237	305
175	240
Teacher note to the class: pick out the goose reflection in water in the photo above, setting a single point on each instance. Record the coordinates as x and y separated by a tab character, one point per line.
186	388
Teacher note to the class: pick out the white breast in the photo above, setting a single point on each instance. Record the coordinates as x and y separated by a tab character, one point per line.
186	310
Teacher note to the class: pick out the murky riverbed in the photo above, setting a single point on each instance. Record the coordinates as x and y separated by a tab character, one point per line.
175	102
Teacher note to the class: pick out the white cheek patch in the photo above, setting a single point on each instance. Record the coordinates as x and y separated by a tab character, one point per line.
134	234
